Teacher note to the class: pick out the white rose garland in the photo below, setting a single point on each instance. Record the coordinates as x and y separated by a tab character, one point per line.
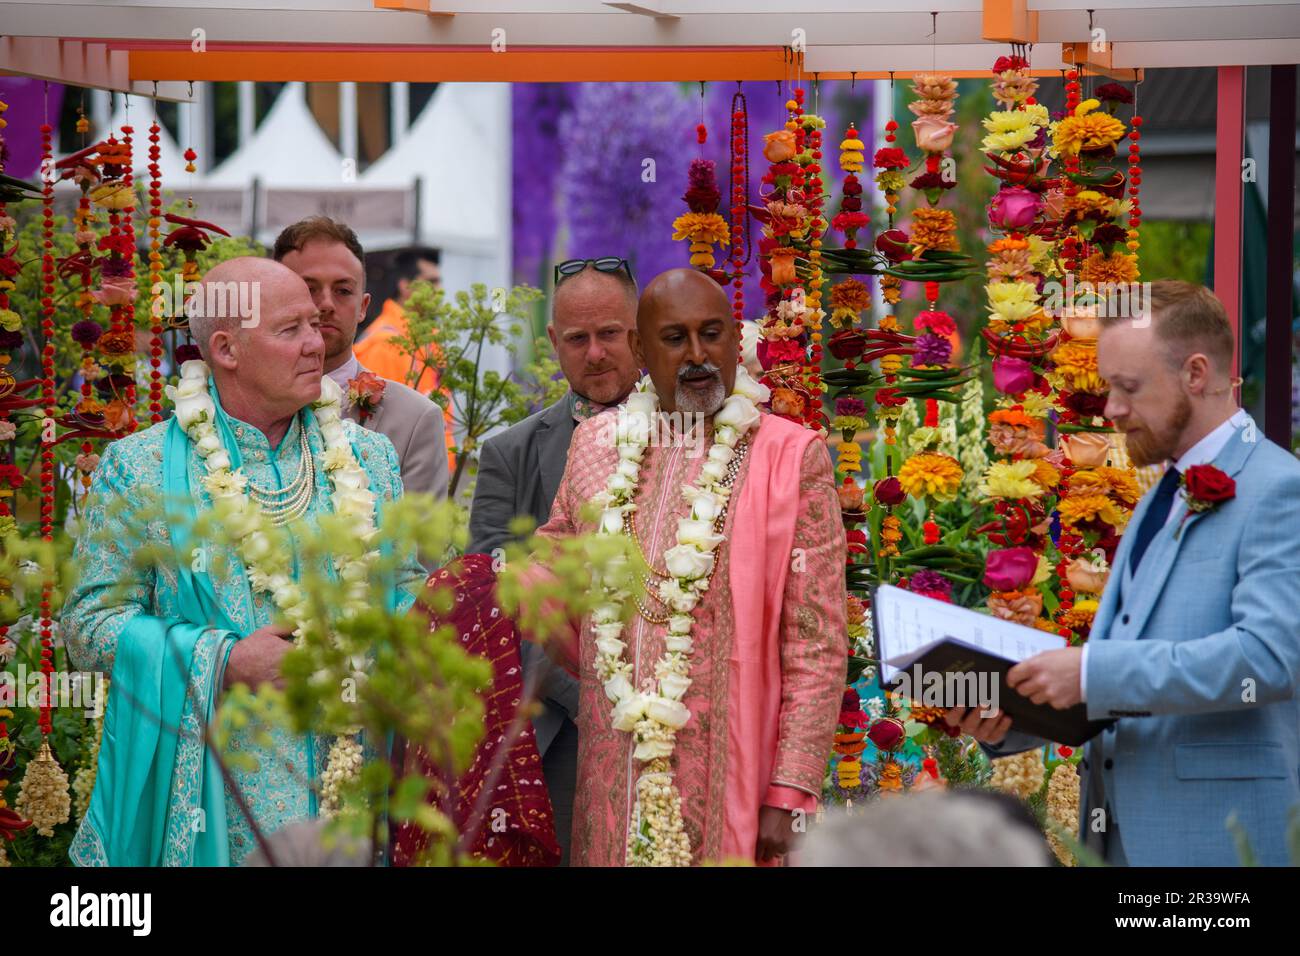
270	570
655	713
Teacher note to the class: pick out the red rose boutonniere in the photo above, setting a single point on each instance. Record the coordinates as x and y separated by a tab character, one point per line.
366	391
1204	488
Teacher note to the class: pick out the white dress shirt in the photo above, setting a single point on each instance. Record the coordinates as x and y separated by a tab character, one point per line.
1202	453
346	373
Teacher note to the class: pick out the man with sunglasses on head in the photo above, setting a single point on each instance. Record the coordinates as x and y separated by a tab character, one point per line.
593	312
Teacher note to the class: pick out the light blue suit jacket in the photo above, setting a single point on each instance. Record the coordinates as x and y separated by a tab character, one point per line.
1199	657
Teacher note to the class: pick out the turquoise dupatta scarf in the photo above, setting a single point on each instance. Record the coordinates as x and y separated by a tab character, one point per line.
133	815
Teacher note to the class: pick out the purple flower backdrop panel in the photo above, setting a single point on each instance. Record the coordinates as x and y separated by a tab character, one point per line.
625	150
579	174
535	164
26	99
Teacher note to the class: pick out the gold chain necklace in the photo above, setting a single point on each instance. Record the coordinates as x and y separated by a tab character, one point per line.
629	528
291	502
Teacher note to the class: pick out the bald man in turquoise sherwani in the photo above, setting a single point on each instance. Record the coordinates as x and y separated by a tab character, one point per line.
174	634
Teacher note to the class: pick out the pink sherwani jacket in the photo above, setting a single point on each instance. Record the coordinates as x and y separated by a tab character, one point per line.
770	639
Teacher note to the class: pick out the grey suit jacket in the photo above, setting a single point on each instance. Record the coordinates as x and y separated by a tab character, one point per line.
519	472
414	424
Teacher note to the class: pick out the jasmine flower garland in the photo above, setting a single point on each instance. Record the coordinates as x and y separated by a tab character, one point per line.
654	714
270	569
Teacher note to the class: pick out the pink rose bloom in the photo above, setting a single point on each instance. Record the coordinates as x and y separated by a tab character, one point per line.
1014	208
1012	376
116	291
7	430
1054	204
1087	449
1010	569
933	133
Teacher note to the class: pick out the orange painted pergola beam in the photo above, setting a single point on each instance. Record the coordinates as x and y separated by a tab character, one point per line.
390	65
1097	61
1009	21
335	63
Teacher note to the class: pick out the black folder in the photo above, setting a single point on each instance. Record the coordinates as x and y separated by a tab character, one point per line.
1070	726
954	656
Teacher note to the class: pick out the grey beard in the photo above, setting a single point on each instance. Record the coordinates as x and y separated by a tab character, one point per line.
701	403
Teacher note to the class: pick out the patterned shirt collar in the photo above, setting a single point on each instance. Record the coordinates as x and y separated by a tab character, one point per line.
583	408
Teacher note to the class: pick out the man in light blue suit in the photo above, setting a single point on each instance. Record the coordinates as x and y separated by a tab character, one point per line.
1195	648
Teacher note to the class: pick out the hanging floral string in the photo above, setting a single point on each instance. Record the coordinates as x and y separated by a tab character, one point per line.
126	310
43	794
740	247
48	423
1098	491
1020	480
155	268
10	339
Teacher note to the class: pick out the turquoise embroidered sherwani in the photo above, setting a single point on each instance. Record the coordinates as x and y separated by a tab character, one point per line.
163	625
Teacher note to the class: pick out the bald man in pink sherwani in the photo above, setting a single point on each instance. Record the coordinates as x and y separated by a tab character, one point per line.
770	638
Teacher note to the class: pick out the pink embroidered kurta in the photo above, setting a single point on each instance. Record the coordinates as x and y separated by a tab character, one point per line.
770	642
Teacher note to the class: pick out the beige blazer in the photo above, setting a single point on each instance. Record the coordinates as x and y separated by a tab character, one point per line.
414	424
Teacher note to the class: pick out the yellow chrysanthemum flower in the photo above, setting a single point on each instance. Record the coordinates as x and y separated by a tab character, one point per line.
1009	131
1040	252
1038	114
1009	142
933	229
1086	130
1118	268
1035	404
1042	573
1045	474
701	227
850	456
1076	367
1080	508
931	474
1012	301
1121	482
923	437
1010	479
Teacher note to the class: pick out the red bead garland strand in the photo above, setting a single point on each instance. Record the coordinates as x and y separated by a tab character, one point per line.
5	511
740	249
45	719
128	231
1134	182
1072	247
155	273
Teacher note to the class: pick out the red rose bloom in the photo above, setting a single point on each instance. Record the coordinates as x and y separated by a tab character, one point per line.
888	492
1208	484
887	733
847	344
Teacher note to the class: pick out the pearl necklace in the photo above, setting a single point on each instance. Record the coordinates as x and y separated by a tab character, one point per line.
282	505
